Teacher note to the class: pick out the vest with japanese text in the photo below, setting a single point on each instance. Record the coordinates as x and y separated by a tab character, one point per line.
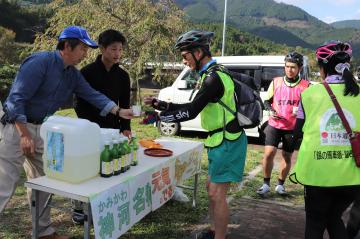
325	156
284	99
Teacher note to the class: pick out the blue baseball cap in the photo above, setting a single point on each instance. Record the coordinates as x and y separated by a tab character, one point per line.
77	33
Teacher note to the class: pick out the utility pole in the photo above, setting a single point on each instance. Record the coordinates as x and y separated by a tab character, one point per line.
224	30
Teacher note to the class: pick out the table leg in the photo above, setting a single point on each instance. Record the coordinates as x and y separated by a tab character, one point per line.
87	220
35	213
195	189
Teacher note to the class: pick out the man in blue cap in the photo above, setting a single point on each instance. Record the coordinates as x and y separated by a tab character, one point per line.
44	82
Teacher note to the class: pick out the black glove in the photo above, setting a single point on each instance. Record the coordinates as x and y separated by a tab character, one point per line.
159	105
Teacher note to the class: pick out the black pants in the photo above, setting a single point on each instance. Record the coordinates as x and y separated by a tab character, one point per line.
324	207
353	226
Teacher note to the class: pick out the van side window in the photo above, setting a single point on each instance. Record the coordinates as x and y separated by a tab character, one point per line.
191	78
249	72
254	72
268	74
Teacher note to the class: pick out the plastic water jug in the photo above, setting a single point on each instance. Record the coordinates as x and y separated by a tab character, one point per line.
71	148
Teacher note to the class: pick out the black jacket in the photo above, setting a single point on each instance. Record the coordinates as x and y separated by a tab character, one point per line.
115	84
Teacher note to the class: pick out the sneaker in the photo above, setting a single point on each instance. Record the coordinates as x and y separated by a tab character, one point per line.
263	190
280	189
78	217
207	234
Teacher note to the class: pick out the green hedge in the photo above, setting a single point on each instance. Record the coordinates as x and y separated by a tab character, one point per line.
7	75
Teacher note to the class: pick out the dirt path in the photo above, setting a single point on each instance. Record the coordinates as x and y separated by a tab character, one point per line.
261	218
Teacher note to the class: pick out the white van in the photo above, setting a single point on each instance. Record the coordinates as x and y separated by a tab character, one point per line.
262	68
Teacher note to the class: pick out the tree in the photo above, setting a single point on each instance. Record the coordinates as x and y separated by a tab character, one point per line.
7	46
151	28
23	20
11	53
7	75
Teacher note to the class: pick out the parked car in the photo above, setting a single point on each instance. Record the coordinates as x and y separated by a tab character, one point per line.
262	68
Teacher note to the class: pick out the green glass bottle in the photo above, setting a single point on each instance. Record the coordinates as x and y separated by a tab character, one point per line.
122	157
128	152
116	157
134	148
106	167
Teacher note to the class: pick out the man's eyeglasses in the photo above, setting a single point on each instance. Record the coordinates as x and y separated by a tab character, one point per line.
185	54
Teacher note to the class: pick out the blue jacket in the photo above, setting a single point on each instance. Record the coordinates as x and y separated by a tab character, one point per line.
43	84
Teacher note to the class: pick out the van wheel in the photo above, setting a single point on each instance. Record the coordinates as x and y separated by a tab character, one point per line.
168	129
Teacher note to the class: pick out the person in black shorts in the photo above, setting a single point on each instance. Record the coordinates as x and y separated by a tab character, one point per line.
274	136
283	99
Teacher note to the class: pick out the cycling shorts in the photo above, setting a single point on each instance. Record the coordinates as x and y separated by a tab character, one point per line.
273	136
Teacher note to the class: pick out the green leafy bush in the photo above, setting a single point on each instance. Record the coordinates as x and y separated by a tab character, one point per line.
7	75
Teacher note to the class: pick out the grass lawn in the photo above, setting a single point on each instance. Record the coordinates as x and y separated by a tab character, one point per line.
173	220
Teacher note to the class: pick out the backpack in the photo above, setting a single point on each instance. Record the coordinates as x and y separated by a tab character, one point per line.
249	106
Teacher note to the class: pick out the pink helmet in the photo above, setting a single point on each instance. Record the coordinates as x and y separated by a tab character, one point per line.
325	52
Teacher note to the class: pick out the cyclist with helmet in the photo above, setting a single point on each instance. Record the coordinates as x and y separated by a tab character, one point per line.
325	165
226	142
282	102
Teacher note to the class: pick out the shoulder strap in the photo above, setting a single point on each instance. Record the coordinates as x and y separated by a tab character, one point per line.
227	107
221	68
338	108
217	67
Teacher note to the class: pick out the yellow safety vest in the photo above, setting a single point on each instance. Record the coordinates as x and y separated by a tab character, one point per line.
213	115
325	155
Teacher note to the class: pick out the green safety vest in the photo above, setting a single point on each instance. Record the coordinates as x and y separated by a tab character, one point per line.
213	115
325	155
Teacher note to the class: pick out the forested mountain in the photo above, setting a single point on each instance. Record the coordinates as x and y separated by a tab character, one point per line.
237	42
279	22
347	24
29	18
244	43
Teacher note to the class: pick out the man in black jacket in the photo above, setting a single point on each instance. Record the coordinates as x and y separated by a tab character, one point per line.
105	75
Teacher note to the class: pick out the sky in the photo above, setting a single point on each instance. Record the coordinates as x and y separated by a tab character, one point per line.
329	10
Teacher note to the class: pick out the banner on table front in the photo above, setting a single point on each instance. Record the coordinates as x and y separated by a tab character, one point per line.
140	191
116	210
186	165
111	212
163	183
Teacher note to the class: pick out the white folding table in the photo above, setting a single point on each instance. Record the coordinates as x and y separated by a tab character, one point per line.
83	191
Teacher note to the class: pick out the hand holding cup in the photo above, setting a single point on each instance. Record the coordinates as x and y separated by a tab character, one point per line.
136	110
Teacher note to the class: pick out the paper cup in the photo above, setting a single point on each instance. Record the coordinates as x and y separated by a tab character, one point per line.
295	110
136	110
